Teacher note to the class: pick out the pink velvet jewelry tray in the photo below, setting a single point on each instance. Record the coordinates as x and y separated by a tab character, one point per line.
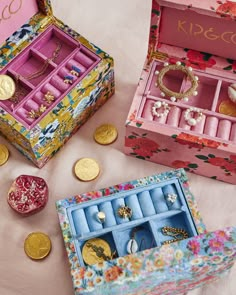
61	79
32	91
197	132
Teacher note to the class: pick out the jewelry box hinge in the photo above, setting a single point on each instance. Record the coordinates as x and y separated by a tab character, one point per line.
48	21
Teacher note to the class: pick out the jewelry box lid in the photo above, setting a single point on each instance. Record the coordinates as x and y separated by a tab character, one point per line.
195	30
16	14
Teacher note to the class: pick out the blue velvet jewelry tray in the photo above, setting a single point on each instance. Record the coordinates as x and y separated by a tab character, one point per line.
159	246
151	212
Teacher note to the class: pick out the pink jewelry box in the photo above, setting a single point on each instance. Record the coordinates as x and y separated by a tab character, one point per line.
61	78
197	133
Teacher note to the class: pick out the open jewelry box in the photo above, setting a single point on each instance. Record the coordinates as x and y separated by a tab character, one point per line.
59	78
183	114
142	237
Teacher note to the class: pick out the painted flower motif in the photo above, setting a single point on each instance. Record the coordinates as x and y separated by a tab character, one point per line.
180	164
216	245
159	262
89	274
199	60
194	246
227	8
134	264
222	236
98	280
216	259
149	265
217	161
196	261
113	273
179	254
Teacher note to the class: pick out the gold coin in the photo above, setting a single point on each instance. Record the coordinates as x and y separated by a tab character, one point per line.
7	87
96	250
87	169
4	154
228	108
105	134
37	245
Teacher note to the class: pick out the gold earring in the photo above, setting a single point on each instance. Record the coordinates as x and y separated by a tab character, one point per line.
49	98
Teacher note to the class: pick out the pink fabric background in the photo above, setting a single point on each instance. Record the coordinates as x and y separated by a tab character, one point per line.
121	28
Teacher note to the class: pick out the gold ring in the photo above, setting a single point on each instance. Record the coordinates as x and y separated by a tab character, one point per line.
101	217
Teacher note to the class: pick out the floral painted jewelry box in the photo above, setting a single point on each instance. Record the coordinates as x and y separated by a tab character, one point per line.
184	111
60	79
170	250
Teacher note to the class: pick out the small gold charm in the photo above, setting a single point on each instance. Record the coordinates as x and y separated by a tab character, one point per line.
49	98
42	109
125	212
36	114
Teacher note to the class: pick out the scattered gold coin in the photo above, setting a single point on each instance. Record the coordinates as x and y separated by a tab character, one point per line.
105	134
87	169
96	250
228	108
37	245
7	87
4	154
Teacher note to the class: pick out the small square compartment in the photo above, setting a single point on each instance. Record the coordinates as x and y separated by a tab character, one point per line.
207	87
172	80
56	38
225	102
108	237
179	221
142	234
32	63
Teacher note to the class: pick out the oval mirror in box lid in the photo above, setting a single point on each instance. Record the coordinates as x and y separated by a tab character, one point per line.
16	14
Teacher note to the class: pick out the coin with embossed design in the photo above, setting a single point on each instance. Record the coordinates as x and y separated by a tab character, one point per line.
86	169
105	134
37	245
4	154
96	250
228	108
7	87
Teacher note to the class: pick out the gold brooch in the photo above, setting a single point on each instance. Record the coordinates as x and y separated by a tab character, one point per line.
36	114
49	98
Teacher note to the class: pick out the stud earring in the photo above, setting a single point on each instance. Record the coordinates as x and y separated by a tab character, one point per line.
75	71
68	79
188	116
49	98
36	114
171	198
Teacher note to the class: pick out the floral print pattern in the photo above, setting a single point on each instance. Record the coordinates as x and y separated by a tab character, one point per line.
143	147
226	164
192	262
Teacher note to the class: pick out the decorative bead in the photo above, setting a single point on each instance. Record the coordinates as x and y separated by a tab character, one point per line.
156	84
178	63
166	64
157	73
196	78
163	94
173	98
185	99
192	122
190	69
195	93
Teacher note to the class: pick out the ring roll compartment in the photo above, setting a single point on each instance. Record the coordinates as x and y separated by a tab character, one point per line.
80	222
146	204
110	219
92	220
133	203
168	191
158	200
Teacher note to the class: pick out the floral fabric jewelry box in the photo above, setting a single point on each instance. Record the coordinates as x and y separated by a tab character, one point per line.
184	110
51	79
142	237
